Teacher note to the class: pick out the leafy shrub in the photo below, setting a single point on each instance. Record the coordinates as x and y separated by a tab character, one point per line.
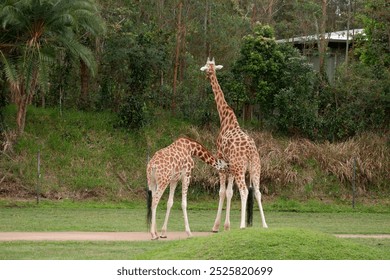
278	80
357	102
132	114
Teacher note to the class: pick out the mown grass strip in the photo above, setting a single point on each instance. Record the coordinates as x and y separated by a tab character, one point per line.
275	244
111	219
255	244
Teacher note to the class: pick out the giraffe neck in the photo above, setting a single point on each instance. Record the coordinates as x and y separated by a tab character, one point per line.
225	112
202	153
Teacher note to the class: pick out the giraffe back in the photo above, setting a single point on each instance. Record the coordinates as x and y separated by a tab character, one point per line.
175	160
168	164
239	149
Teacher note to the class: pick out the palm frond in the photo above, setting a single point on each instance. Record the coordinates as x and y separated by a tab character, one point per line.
9	69
36	28
78	50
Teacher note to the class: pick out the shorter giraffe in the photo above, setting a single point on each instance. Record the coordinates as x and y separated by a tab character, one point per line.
168	166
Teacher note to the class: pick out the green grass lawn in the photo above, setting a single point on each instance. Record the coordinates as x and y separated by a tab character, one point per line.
291	235
272	244
76	216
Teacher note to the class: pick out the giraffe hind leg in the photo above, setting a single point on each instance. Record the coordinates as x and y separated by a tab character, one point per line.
156	196
244	196
249	207
169	206
229	195
258	198
151	213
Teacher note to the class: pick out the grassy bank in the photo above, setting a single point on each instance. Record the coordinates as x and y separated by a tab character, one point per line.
275	244
84	156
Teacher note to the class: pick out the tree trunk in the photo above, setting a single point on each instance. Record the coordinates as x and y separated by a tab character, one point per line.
23	97
207	21
84	85
22	100
247	111
323	42
177	57
348	24
270	11
21	114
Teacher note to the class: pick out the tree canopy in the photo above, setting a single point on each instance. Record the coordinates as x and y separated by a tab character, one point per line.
133	57
34	35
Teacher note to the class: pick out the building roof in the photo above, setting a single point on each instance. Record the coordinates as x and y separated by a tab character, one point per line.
336	36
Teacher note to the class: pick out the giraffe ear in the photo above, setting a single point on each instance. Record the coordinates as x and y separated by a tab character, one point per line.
217	67
204	68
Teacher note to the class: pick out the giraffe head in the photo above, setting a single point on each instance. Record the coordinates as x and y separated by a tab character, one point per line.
210	66
220	164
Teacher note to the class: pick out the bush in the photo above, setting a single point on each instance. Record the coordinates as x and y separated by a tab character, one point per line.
357	102
296	103
132	114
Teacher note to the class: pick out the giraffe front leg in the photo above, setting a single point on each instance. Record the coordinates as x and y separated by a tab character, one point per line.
169	206
229	195
222	194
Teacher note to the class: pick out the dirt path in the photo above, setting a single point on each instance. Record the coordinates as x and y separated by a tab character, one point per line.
123	236
376	236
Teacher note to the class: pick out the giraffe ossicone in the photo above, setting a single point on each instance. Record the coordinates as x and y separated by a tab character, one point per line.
207	66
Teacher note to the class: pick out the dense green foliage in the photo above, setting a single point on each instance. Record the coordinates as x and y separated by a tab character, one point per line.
150	55
143	60
356	103
37	34
360	98
375	50
277	81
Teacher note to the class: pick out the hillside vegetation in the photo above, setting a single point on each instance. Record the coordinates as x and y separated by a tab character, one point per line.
83	155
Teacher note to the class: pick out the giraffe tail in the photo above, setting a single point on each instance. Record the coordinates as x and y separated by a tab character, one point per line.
249	207
149	208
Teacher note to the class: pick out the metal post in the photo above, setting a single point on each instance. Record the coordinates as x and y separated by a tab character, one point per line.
353	182
38	175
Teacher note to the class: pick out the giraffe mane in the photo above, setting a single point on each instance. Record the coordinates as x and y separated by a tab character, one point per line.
192	140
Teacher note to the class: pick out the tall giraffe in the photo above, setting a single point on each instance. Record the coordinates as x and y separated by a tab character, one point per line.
239	150
168	166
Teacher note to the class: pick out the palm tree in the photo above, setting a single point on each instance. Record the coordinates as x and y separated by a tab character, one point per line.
34	34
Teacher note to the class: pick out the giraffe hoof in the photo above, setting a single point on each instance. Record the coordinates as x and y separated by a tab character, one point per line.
155	238
163	236
214	231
